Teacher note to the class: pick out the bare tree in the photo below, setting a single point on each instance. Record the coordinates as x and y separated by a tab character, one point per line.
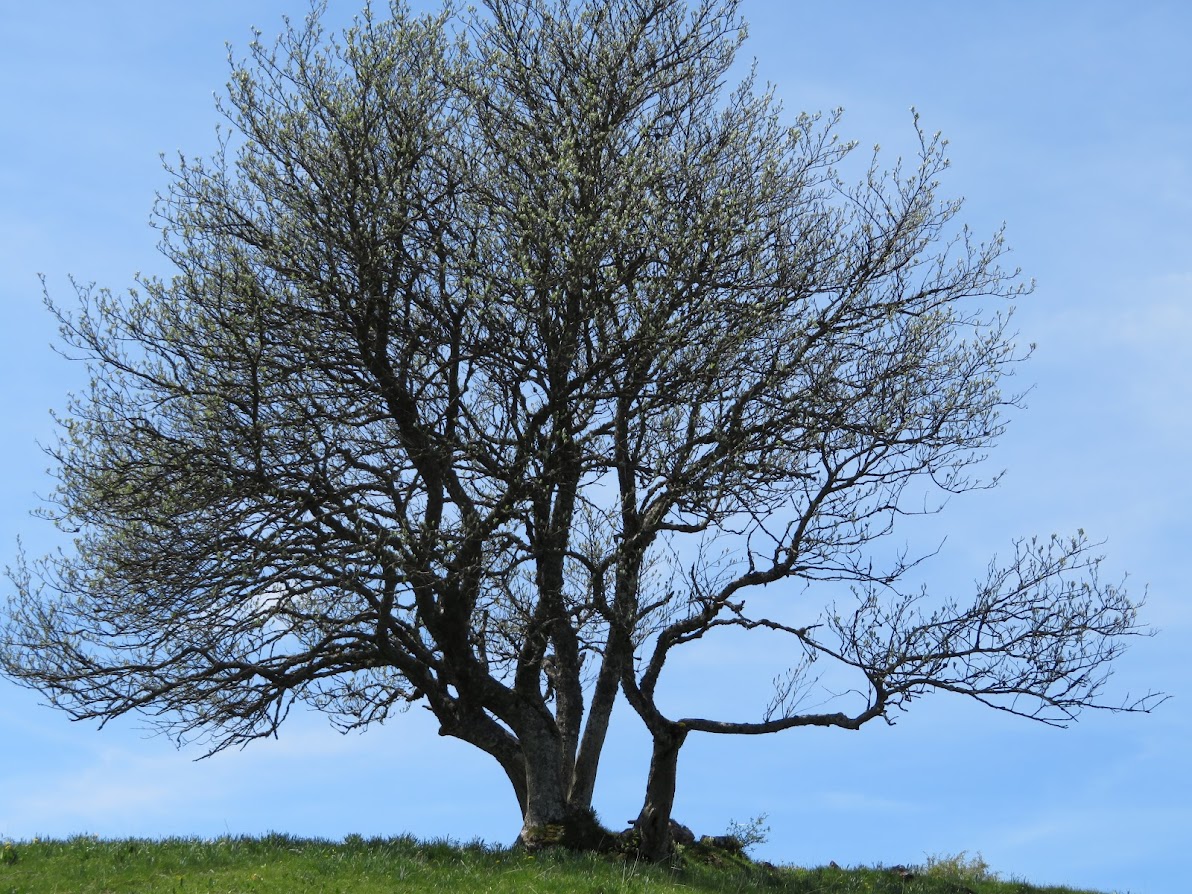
486	330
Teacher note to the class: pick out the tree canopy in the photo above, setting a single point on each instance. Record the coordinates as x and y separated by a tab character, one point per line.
508	354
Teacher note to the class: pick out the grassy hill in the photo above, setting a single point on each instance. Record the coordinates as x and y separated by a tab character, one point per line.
278	864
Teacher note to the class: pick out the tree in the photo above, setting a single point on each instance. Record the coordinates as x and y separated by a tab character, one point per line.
487	331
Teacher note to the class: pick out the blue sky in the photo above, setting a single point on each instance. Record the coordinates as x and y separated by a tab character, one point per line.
1069	121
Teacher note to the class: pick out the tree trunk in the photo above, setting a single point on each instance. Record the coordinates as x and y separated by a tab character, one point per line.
653	823
546	794
604	696
549	817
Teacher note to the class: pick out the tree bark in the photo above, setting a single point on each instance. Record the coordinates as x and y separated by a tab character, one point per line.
653	823
604	696
547	813
546	797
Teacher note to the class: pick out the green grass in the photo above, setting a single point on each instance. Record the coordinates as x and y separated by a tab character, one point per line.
279	864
